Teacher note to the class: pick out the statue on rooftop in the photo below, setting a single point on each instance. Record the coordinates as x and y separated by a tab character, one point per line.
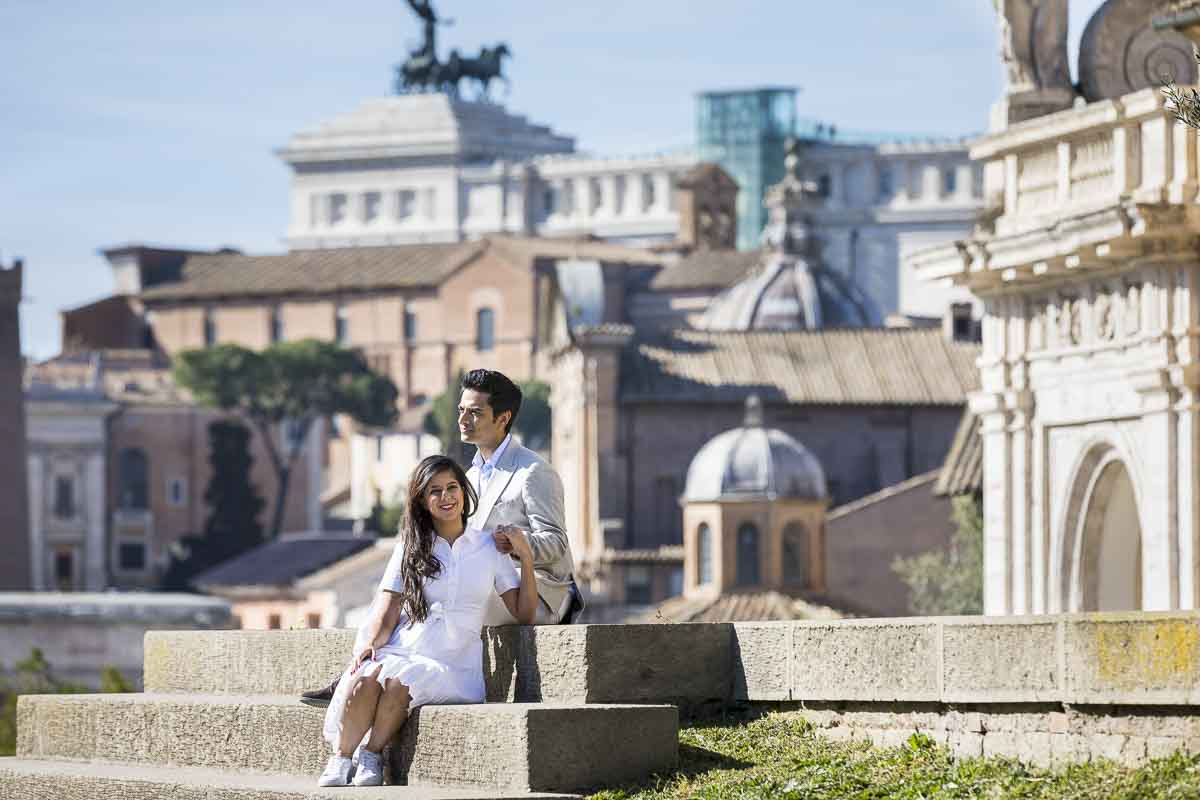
1033	49
422	71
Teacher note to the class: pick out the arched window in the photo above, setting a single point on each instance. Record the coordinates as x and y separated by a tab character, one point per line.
795	555
485	329
132	479
747	555
704	546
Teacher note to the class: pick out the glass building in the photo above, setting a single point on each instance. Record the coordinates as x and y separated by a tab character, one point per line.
744	131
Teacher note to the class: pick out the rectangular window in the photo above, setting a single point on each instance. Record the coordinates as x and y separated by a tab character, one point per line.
337	208
131	556
341	326
647	193
949	180
548	201
314	620
64	568
887	186
637	584
177	491
619	195
485	330
406	204
410	325
568	197
378	448
210	330
274	622
64	497
276	326
370	210
595	196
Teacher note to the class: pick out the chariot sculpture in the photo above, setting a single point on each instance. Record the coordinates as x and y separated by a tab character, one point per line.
423	71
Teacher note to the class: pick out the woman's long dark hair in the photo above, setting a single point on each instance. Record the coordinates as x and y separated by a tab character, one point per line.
418	532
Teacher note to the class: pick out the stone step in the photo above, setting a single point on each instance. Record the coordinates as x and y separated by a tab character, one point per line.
499	746
684	664
24	779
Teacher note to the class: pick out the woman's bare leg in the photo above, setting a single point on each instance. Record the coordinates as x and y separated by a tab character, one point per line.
390	714
360	712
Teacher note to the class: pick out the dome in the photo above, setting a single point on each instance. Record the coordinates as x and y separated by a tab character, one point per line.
787	294
753	462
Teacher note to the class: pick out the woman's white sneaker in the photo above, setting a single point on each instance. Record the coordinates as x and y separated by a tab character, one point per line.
337	771
370	769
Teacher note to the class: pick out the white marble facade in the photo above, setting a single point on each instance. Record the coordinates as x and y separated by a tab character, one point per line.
1088	272
67	453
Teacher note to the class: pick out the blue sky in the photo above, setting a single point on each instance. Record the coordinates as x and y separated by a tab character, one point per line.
124	120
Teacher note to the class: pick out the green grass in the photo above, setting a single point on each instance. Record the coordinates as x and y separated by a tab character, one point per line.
780	756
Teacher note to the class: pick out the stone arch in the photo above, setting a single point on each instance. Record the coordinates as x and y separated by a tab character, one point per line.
1100	559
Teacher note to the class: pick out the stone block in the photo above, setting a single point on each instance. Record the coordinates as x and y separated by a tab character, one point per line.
1003	744
998	662
22	779
966	745
244	662
688	664
865	660
498	745
537	746
1142	659
1162	746
1034	748
761	655
1105	745
1059	722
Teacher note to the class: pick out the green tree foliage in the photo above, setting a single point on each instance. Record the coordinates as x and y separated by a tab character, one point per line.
532	425
442	421
296	383
234	505
385	518
34	675
949	581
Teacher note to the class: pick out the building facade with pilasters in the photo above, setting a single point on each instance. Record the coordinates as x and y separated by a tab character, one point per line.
1088	274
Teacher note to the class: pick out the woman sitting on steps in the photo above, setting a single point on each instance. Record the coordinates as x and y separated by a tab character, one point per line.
421	644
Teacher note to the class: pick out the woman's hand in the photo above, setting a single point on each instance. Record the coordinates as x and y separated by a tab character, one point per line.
363	657
510	539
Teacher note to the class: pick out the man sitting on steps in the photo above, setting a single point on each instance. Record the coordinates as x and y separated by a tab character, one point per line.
516	488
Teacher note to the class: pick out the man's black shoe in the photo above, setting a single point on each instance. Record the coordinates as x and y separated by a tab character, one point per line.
319	698
575	609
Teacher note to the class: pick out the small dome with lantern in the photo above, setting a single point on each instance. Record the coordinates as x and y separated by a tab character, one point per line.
754	463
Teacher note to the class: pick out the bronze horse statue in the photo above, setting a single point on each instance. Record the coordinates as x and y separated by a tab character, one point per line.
422	73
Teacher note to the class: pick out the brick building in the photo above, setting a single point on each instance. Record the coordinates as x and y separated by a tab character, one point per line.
118	465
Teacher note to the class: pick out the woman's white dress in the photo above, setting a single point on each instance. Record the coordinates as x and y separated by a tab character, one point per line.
440	660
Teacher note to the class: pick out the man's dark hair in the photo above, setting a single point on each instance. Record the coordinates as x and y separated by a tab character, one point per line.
503	394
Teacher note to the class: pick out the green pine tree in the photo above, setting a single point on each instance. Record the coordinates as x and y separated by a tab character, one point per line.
232	526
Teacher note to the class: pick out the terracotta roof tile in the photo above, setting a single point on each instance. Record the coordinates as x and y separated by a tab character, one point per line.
962	471
328	270
869	366
736	607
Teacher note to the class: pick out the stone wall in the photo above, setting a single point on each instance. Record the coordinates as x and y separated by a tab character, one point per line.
1043	689
81	633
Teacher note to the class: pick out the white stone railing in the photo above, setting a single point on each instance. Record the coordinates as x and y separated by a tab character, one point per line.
1088	157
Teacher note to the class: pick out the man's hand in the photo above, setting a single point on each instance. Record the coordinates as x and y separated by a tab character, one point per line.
512	541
